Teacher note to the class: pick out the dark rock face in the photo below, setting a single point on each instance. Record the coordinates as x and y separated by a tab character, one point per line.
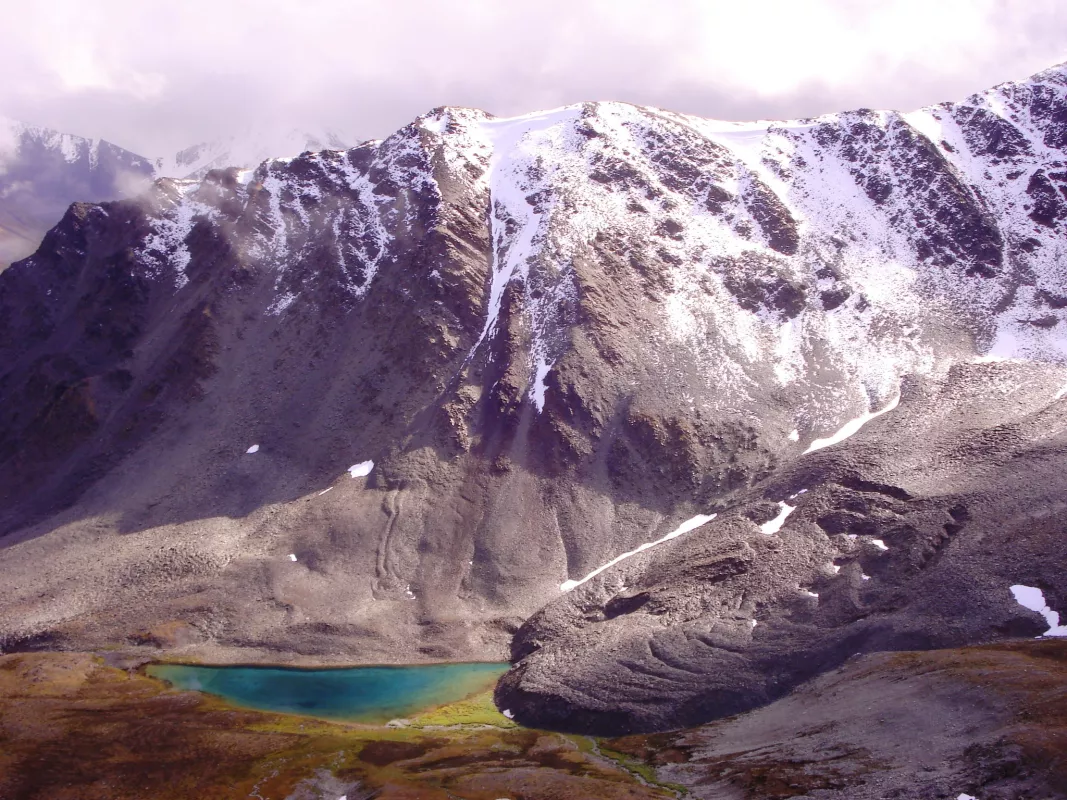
988	134
773	218
904	172
557	337
1049	207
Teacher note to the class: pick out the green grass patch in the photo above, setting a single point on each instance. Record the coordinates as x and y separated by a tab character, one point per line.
646	771
478	709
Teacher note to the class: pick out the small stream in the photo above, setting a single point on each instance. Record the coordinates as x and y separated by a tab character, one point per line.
356	694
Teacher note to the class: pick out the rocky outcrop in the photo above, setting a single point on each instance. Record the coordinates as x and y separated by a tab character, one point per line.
557	337
907	536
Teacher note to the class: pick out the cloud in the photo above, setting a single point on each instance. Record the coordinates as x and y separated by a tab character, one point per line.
157	77
128	183
9	144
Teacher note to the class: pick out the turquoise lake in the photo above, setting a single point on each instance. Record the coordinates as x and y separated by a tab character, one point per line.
356	694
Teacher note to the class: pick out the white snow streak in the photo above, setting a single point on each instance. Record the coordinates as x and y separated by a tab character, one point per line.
537	391
685	527
852	427
281	303
253	449
516	142
775	525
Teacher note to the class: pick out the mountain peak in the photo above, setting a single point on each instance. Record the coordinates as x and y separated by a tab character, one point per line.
560	340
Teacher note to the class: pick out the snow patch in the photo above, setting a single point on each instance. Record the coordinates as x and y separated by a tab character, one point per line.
1034	599
507	713
253	449
685	527
292	556
361	470
436	124
165	245
794	436
775	525
880	544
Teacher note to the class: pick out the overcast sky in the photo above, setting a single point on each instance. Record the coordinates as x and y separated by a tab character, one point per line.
156	76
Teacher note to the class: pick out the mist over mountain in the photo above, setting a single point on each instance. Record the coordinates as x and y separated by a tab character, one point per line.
249	148
43	171
675	413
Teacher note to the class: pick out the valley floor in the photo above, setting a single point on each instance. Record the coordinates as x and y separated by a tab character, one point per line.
72	728
986	721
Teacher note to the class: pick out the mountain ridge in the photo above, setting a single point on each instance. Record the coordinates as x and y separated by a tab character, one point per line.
42	171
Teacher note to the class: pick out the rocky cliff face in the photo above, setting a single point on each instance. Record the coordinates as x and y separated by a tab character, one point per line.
908	536
557	338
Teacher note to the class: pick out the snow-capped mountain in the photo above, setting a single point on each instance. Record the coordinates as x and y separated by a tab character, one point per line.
774	362
43	171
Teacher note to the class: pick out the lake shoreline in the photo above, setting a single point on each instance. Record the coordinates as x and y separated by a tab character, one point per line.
360	694
130	656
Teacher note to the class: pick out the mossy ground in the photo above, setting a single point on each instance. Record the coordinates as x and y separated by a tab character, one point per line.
1031	675
476	710
72	728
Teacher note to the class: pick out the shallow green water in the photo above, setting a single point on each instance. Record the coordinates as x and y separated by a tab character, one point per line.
363	694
